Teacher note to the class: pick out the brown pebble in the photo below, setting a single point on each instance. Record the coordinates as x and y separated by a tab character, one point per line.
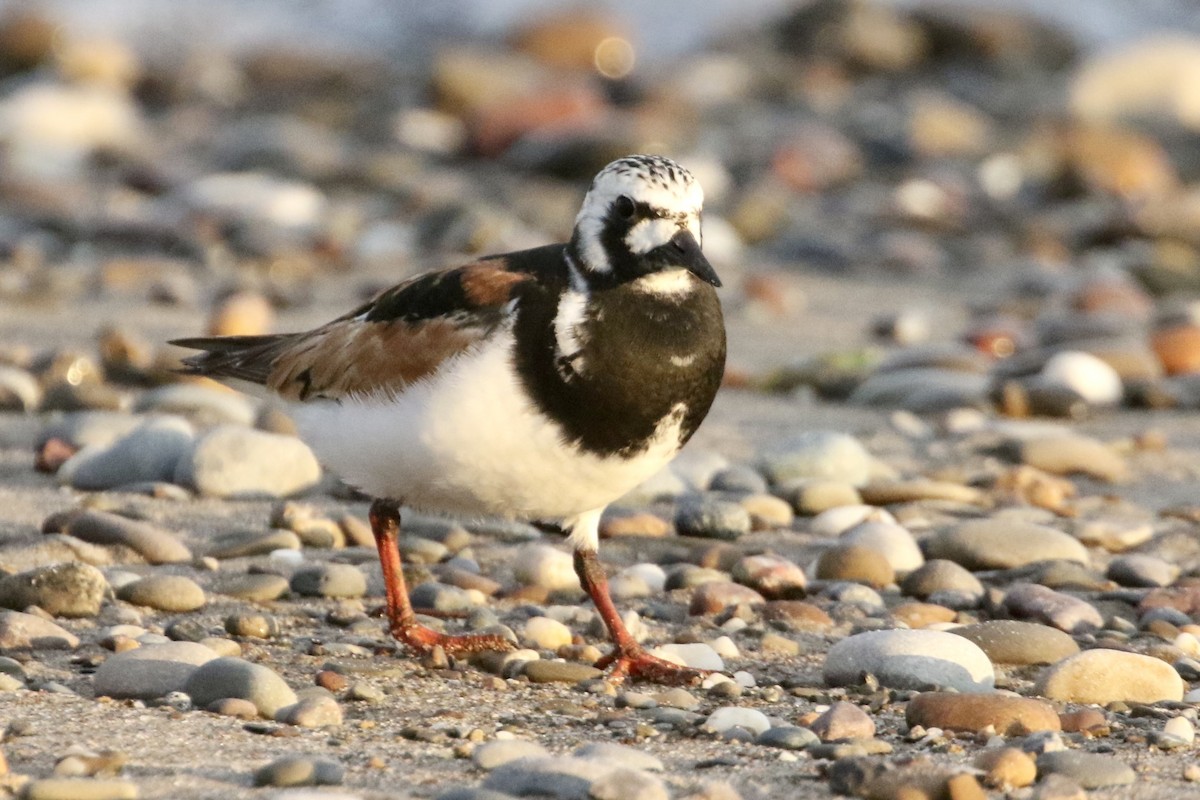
1006	768
241	314
1085	719
333	681
852	562
975	712
922	615
709	598
233	707
798	614
633	524
965	787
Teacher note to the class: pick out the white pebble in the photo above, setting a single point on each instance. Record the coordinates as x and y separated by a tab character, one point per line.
1181	729
834	522
544	633
1093	379
728	717
725	647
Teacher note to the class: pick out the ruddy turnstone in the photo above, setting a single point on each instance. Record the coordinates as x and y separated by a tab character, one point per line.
539	385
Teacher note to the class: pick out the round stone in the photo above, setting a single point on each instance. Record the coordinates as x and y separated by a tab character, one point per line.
1003	544
1073	454
150	671
710	598
233	677
836	521
149	541
906	659
1010	716
258	587
817	496
614	753
543	633
943	578
817	454
329	580
726	717
1089	770
559	672
1104	676
318	711
1063	611
254	543
1006	768
696	655
149	452
852	562
1010	641
256	626
165	593
80	789
1141	570
710	517
1085	374
772	576
490	755
300	771
891	541
20	631
843	721
235	462
547	567
787	737
61	590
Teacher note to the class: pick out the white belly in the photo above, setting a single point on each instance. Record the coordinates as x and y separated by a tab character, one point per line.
470	442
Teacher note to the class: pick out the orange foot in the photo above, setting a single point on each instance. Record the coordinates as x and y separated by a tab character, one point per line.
638	664
422	640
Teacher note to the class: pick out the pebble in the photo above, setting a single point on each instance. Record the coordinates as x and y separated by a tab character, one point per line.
677	698
710	517
543	671
543	633
856	563
61	590
1007	641
206	406
1003	544
1008	715
80	789
254	543
555	776
300	771
771	576
628	784
696	655
833	522
233	677
151	542
230	461
234	707
817	454
19	391
944	580
443	598
149	452
494	754
1063	611
726	717
1141	570
1073	454
329	580
639	580
817	496
711	598
626	756
842	721
150	671
891	541
256	626
906	659
165	593
1006	768
1103	676
787	737
547	567
1089	770
258	587
20	631
319	711
1085	374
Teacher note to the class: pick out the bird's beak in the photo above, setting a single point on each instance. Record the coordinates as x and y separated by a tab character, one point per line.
685	252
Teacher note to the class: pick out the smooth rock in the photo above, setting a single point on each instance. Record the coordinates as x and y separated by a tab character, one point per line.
80	789
300	771
205	405
891	541
1089	770
151	542
942	578
1085	374
563	778
164	592
255	587
623	754
547	567
20	631
843	721
1104	676
1003	544
234	462
254	543
1073	454
543	633
696	655
836	521
319	711
1010	716
61	590
787	737
726	717
771	576
329	580
233	677
542	671
1006	768
490	755
149	452
710	517
852	562
817	454
628	784
906	659
1010	641
150	671
1141	570
710	598
1063	611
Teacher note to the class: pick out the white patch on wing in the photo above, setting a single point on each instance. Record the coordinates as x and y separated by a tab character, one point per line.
648	234
469	441
666	282
572	311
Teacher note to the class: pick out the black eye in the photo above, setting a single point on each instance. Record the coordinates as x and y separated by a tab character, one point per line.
625	207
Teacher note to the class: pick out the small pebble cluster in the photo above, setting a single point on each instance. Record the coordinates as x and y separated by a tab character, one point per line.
949	552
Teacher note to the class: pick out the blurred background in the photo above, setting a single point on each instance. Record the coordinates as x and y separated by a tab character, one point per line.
966	187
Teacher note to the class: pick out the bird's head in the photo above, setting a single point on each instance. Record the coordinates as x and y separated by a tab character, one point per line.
641	220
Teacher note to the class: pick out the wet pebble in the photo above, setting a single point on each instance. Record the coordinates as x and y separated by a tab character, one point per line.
1003	544
907	659
1104	676
300	771
711	517
20	631
1008	715
329	580
156	545
233	677
164	593
61	590
1007	641
1089	770
150	671
230	461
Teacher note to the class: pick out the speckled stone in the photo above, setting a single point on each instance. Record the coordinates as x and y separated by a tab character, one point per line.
19	631
1104	676
62	590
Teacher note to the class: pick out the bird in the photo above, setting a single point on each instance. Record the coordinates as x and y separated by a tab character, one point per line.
538	385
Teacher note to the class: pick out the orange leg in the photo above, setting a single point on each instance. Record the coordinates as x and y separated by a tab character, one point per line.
628	658
402	621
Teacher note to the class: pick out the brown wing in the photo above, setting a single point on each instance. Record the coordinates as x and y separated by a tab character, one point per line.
385	345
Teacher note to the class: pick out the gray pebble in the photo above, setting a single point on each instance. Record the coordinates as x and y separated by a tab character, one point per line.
490	755
1000	543
257	587
150	671
910	659
787	737
311	712
1090	770
254	543
942	577
1010	641
559	671
20	631
234	462
441	597
329	580
233	677
1063	611
614	753
300	771
562	778
726	717
149	541
61	590
149	452
1141	570
202	404
817	454
628	784
738	478
711	517
177	593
